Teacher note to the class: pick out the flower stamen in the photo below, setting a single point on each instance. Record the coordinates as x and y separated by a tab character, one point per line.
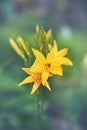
47	66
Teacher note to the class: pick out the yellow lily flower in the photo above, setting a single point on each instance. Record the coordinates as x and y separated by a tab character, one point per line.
52	63
36	78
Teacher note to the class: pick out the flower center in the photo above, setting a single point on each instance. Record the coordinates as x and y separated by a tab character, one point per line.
47	66
37	77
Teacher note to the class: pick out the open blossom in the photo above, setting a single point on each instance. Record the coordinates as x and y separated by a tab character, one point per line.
35	78
52	63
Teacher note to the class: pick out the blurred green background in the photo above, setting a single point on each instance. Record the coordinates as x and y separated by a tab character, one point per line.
65	107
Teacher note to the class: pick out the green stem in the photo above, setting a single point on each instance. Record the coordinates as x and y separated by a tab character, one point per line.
39	107
38	112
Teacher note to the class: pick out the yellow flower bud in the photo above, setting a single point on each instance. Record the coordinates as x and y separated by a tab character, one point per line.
23	45
49	34
15	47
49	47
37	29
84	63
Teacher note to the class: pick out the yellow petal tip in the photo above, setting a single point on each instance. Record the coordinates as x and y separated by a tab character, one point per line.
31	93
71	63
19	85
49	89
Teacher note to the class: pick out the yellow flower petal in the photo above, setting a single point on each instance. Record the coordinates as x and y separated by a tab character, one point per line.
45	76
27	70
47	86
50	56
62	52
29	79
39	56
61	61
53	53
35	87
37	66
65	61
56	70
